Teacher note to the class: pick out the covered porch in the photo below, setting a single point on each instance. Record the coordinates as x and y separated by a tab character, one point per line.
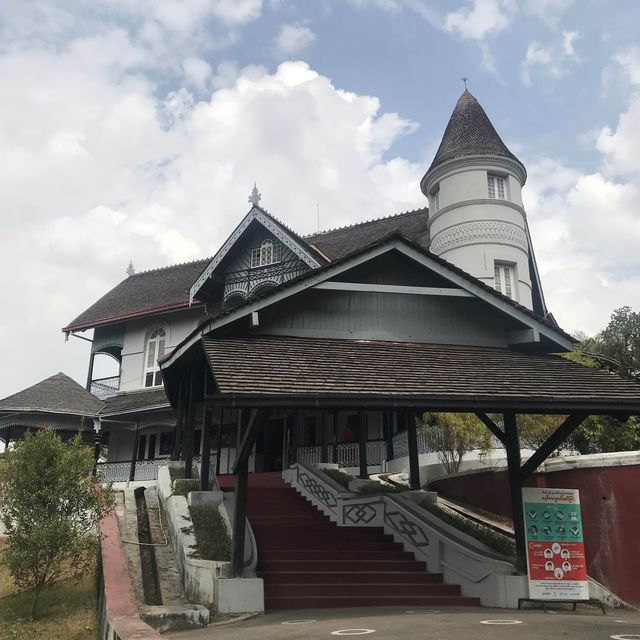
266	376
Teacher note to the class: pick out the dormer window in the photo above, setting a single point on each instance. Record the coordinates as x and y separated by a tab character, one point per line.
268	252
496	186
154	350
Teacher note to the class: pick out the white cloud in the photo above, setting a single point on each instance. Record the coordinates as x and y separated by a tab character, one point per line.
629	60
293	39
482	18
553	59
98	169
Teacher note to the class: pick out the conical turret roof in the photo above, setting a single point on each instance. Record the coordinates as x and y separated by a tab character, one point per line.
469	133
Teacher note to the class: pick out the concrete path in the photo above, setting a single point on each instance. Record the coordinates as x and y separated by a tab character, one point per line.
393	623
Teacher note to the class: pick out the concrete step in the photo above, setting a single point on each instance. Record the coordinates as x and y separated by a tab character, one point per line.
348	589
351	577
335	602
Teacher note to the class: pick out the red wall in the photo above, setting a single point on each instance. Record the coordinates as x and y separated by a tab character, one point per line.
610	501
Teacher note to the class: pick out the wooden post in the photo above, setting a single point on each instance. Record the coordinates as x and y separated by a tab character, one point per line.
512	447
219	443
188	432
362	444
387	430
97	446
134	455
207	428
239	519
335	437
177	431
324	440
412	441
92	357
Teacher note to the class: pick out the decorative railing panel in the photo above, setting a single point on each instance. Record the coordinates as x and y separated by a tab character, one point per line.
246	281
105	387
347	453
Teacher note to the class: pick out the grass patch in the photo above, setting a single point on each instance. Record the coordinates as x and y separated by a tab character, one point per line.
182	486
65	611
212	538
341	477
494	540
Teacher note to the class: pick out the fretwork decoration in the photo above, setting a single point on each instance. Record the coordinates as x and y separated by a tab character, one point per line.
358	513
317	490
406	528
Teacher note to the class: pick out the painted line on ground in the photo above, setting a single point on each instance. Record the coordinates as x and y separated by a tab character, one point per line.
423	611
298	621
626	636
636	622
500	621
352	632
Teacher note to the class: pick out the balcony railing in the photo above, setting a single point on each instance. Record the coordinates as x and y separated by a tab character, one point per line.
347	454
246	281
105	387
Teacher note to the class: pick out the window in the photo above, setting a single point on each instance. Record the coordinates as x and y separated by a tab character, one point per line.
268	252
155	350
504	280
436	200
496	186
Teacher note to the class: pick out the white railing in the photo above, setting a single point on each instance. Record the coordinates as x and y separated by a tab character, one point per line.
347	454
119	471
104	388
401	444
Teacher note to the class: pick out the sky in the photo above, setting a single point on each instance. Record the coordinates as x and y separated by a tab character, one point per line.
135	129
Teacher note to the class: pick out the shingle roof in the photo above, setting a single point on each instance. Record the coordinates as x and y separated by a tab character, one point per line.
133	401
141	294
469	133
438	375
57	394
337	243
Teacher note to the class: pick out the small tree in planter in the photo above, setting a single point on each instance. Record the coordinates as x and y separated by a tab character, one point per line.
50	505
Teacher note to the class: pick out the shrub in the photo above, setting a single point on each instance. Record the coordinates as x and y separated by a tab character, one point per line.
494	540
212	538
182	486
341	477
375	489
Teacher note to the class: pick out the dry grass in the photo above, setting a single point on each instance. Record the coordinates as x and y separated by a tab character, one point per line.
65	612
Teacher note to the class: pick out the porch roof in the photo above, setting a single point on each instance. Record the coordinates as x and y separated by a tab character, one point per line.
287	371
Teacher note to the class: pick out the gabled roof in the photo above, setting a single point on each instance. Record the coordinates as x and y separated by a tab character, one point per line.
289	238
57	394
443	268
337	243
141	294
436	376
470	133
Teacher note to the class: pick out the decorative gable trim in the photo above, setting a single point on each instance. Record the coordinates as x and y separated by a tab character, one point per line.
268	223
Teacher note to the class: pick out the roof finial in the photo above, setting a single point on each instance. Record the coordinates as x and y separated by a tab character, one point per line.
131	269
464	79
255	196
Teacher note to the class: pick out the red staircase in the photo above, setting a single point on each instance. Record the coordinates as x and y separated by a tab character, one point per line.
308	562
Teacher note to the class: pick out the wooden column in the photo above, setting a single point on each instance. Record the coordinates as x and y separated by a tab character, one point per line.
324	440
412	441
134	455
219	443
335	437
207	428
387	430
97	446
176	454
92	358
239	518
512	447
189	428
362	444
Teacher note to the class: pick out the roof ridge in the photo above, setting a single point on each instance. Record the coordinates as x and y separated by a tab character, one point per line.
169	266
365	222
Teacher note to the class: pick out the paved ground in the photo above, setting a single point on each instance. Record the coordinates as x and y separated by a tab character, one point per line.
394	623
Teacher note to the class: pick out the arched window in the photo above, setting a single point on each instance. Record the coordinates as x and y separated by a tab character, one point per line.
267	253
154	350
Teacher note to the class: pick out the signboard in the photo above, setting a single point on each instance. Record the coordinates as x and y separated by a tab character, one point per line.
555	544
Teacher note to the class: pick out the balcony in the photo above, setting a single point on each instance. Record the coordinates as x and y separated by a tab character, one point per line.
104	388
245	282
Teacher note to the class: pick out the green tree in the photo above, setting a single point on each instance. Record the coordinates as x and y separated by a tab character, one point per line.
50	506
452	435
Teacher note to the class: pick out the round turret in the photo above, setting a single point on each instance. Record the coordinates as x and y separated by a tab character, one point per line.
476	217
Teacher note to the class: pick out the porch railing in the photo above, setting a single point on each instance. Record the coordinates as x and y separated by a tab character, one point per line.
347	454
105	387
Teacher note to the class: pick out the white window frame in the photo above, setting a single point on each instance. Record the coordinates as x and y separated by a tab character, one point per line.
505	279
436	200
496	186
269	252
154	349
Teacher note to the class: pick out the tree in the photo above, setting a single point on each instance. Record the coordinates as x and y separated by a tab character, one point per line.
534	429
50	506
452	435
